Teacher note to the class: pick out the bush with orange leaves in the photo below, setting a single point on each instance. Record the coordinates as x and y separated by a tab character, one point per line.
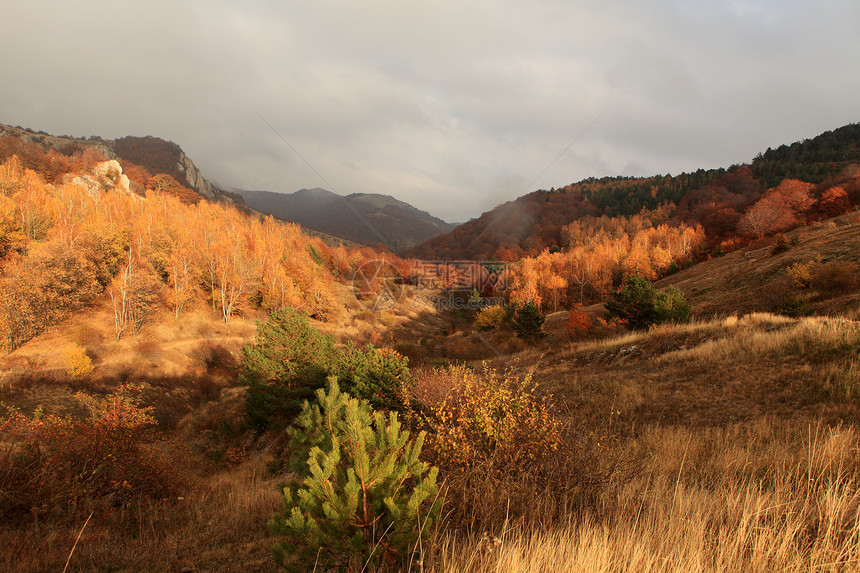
473	417
62	467
579	324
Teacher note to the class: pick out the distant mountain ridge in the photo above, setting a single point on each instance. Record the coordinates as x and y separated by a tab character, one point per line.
367	218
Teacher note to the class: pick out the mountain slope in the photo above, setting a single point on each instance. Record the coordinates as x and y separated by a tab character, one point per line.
818	273
156	155
716	198
367	218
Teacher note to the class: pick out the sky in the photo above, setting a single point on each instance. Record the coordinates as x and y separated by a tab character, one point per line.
454	106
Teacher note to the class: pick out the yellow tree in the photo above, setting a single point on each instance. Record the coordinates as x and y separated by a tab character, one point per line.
133	294
234	271
73	207
183	272
580	271
33	207
638	262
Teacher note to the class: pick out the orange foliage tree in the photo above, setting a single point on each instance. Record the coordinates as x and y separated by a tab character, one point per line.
834	202
779	210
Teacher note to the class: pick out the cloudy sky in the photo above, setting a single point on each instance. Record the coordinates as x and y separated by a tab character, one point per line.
452	105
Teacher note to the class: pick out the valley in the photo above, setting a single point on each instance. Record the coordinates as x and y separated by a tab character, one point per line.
159	343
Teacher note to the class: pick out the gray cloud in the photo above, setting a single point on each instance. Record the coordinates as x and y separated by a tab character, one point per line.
453	106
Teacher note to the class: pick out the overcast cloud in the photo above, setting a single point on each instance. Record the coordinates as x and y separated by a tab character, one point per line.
454	106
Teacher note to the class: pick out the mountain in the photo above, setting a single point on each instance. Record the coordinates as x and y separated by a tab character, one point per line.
714	198
367	218
156	155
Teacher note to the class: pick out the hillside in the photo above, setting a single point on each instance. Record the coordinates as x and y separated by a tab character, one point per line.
365	218
715	198
821	267
157	156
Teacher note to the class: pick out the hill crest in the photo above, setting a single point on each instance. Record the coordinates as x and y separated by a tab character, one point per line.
156	155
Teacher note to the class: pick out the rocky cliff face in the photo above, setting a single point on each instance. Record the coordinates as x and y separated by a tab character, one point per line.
195	180
104	176
160	156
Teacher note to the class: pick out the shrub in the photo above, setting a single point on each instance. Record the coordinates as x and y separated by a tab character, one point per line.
78	364
836	276
288	361
66	466
364	493
528	321
794	307
490	317
485	415
376	375
214	357
801	273
780	244
578	324
672	305
640	305
88	336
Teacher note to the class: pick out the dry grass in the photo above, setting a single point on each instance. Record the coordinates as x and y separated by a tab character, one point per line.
754	497
217	525
762	496
763	334
778	490
710	372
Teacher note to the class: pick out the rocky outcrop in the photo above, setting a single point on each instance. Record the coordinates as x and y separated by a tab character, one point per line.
102	177
195	180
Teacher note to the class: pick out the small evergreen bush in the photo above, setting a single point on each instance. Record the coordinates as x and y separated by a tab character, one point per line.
377	375
288	361
364	494
640	305
528	321
794	307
